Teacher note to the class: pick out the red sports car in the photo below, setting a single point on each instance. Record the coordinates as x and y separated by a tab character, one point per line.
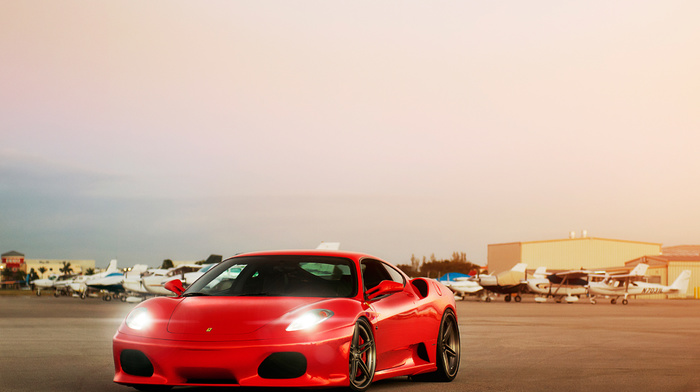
291	319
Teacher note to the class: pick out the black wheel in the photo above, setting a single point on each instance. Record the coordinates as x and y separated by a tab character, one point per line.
613	301
448	351
363	356
518	298
507	298
38	293
107	297
625	302
83	295
488	299
448	348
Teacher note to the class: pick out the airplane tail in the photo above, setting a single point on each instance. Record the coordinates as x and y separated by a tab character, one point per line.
112	266
329	246
213	259
681	283
640	269
540	273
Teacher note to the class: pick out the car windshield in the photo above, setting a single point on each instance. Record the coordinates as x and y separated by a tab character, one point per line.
279	276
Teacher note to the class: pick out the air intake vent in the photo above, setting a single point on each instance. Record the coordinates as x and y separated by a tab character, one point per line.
283	366
136	363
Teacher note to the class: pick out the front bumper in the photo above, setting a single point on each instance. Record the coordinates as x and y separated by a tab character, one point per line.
237	363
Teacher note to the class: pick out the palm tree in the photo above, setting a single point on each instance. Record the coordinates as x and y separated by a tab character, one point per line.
90	271
42	270
66	269
167	263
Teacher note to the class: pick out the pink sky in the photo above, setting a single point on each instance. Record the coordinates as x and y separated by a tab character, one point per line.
172	129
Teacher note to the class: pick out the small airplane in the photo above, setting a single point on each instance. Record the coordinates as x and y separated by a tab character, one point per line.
625	285
565	286
509	283
44	284
463	286
153	281
108	283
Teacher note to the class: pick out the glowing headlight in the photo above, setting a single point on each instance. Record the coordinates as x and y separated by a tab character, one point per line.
309	319
139	319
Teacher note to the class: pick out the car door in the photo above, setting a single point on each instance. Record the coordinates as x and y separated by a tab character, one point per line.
393	314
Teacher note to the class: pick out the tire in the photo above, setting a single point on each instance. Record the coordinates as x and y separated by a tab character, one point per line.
448	351
518	298
448	348
362	357
38	292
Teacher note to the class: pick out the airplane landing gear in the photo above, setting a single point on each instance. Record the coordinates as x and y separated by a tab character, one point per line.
507	298
518	298
613	301
624	302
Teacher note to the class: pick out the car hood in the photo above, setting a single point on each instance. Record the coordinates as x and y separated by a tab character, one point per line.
218	316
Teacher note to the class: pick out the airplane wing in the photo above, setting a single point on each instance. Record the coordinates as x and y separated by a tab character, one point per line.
571	277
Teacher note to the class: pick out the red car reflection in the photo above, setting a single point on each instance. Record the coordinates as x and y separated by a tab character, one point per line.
291	319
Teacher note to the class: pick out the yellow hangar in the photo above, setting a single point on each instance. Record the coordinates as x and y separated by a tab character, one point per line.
567	254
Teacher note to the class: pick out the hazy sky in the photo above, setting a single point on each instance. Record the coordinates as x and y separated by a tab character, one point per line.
145	130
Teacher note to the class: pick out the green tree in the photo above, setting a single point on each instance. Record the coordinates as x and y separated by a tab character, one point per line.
33	275
167	263
66	269
41	271
90	271
434	268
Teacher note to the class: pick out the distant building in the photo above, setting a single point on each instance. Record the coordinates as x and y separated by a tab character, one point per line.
665	268
12	261
53	266
567	254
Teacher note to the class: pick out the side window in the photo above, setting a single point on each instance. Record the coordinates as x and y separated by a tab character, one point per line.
374	271
395	275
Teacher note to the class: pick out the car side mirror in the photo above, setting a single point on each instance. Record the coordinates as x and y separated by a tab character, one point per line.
175	286
384	288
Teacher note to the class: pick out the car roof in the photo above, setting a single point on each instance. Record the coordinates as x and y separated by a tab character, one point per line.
310	252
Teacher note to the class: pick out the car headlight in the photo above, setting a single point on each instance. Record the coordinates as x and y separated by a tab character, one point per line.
139	319
310	319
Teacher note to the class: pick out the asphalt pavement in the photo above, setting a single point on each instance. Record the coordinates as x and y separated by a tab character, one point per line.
64	344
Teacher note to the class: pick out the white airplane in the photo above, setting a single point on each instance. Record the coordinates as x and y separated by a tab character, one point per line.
109	283
625	285
153	281
463	286
509	283
565	286
133	285
46	283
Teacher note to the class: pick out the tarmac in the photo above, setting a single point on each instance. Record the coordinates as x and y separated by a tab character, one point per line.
64	344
